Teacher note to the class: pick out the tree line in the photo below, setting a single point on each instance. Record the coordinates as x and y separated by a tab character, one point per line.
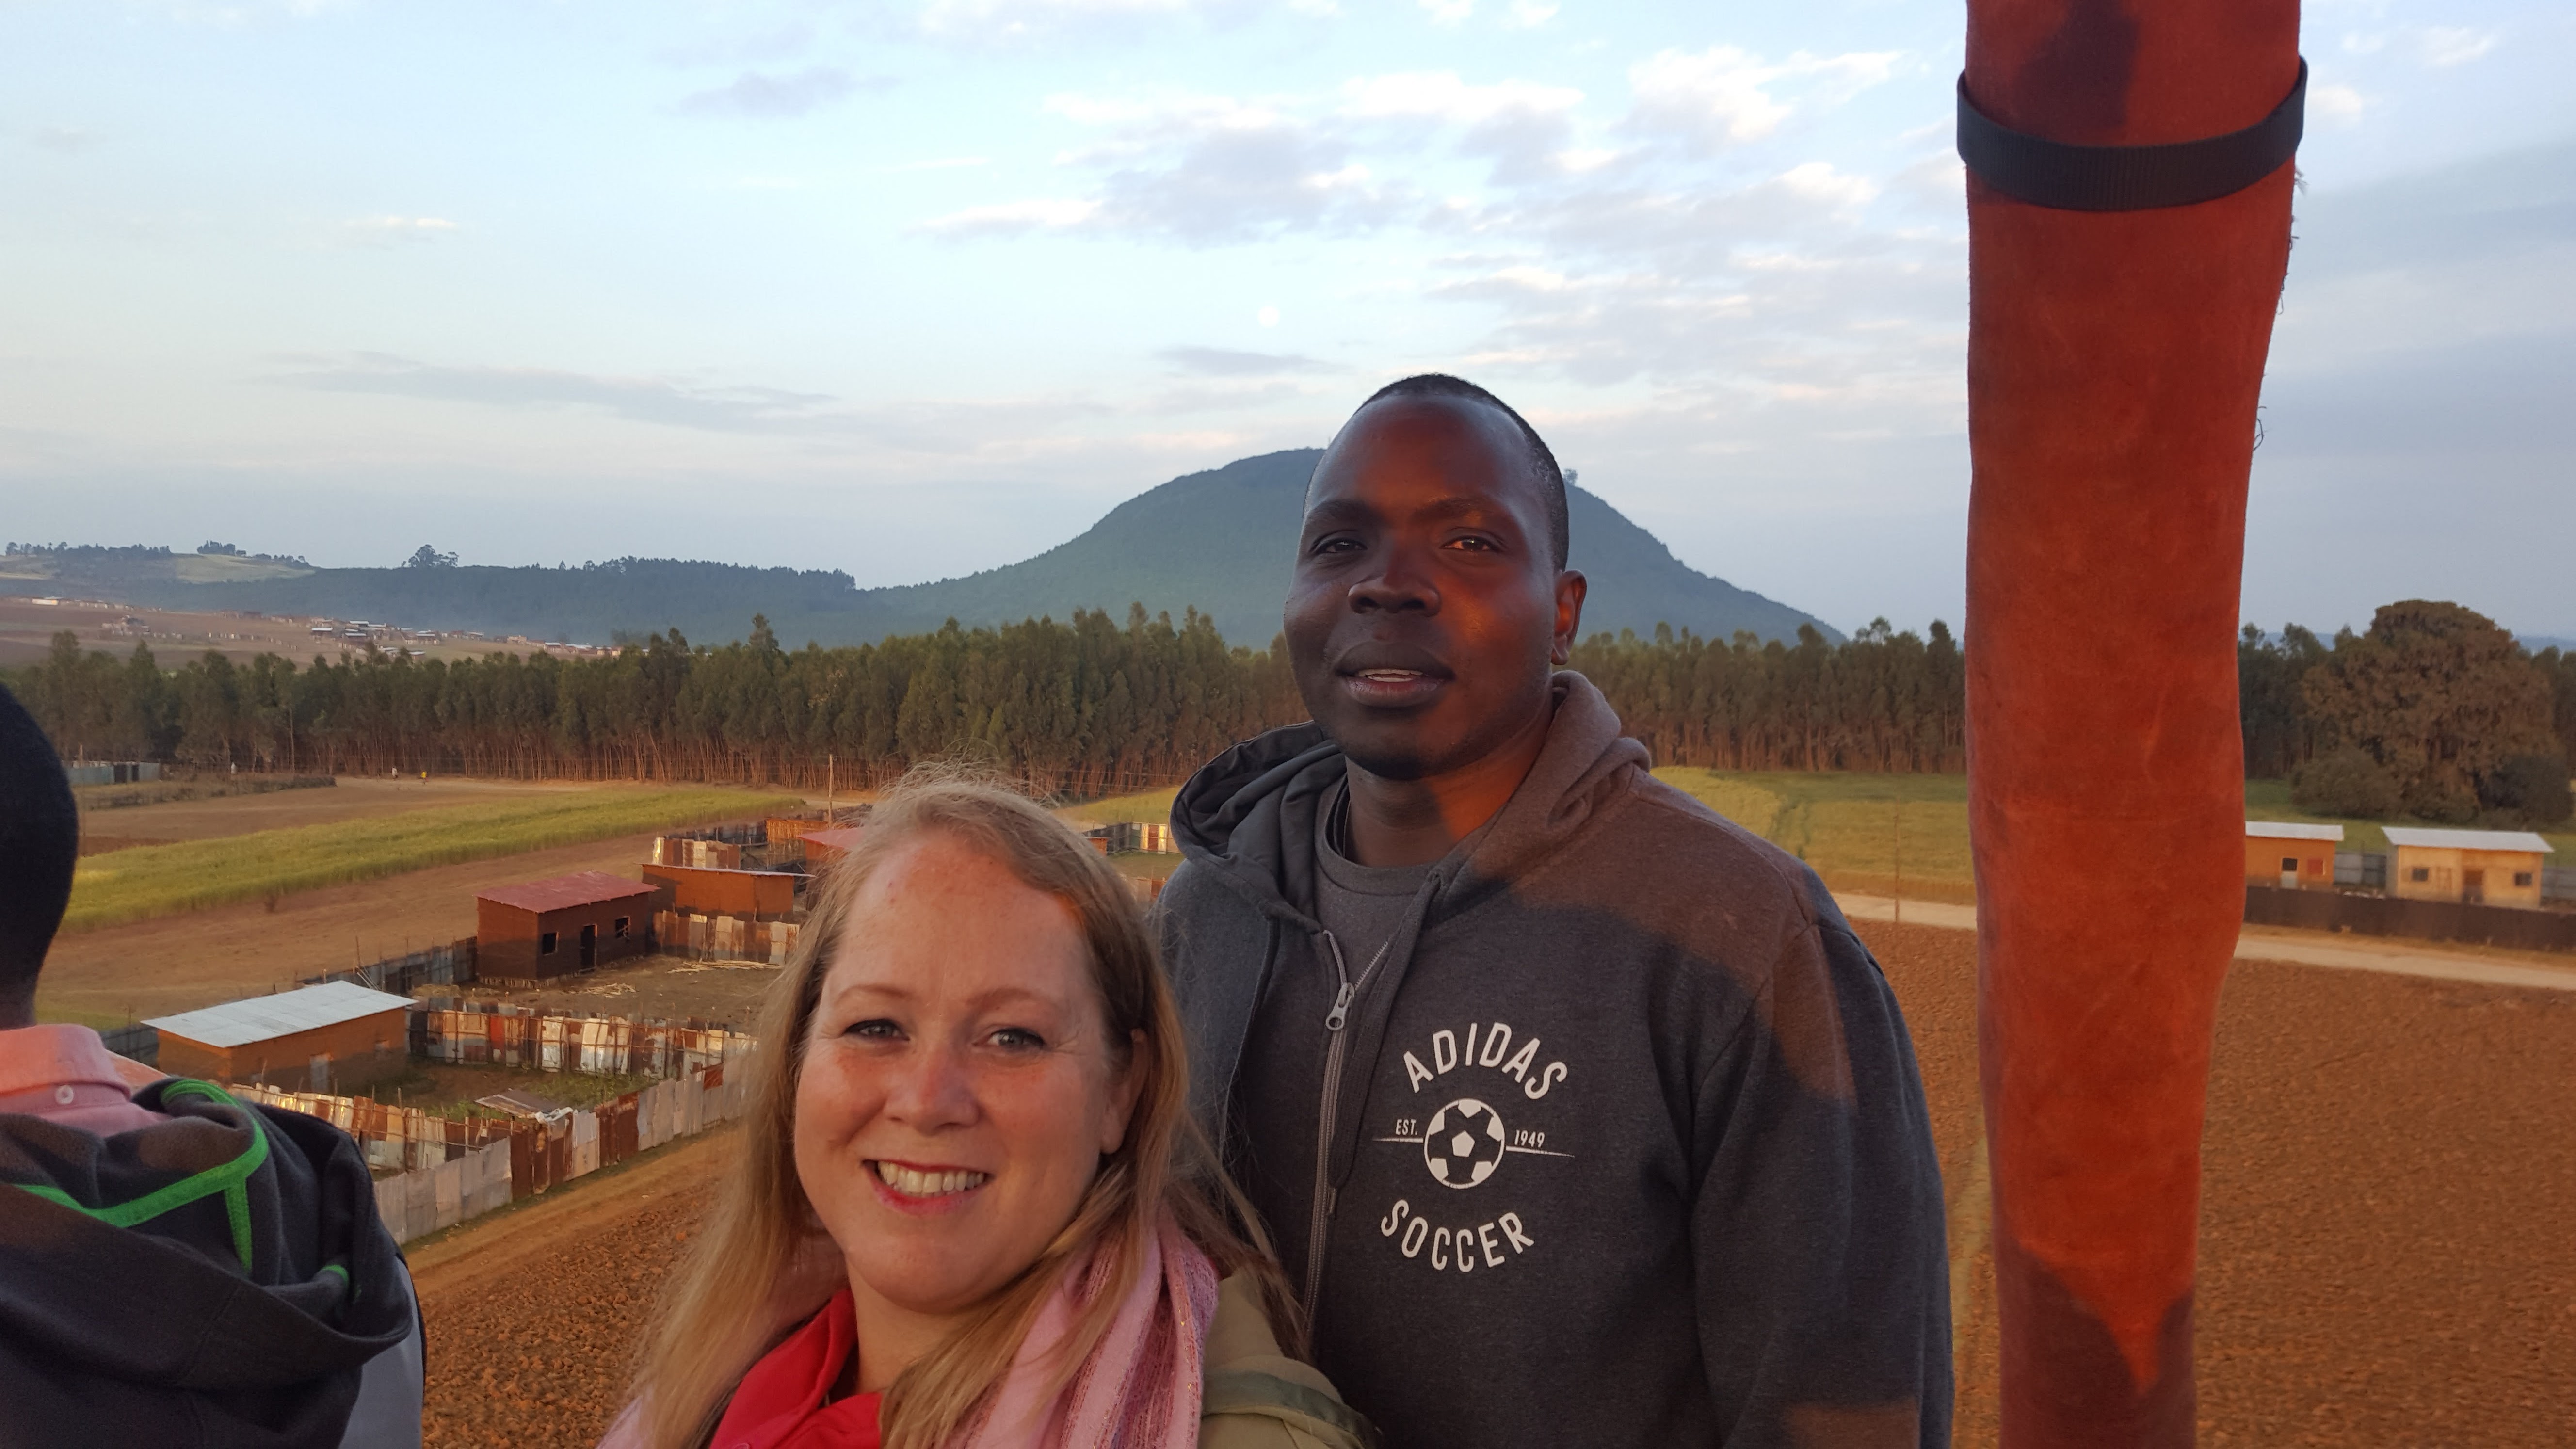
1085	707
2434	711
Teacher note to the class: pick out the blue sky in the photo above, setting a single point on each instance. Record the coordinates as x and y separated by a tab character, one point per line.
910	289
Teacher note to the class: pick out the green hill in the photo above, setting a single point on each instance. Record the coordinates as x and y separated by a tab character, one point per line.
1220	541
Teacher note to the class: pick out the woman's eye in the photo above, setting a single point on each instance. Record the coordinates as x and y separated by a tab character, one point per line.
1019	1039
1473	545
875	1029
1335	545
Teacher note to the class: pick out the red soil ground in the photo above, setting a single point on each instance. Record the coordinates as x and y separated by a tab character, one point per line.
2387	1258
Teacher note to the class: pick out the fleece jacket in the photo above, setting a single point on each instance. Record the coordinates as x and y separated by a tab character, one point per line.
1621	1143
219	1279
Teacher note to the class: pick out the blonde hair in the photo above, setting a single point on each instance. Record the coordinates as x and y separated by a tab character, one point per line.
764	1265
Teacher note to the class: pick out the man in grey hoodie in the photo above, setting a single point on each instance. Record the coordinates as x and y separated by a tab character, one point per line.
1578	1114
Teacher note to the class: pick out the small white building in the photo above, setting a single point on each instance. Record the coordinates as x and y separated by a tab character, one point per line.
2481	867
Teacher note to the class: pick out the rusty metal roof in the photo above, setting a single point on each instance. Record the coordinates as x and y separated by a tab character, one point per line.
845	837
261	1018
581	888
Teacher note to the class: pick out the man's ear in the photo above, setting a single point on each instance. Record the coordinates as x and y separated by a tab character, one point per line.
1122	1096
1570	588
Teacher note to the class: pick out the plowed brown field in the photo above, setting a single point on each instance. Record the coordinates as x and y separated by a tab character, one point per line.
2388	1258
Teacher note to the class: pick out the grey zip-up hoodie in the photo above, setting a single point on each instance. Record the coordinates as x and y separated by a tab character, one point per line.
219	1281
1626	1145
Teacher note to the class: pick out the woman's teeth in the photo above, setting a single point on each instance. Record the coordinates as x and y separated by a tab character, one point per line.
911	1183
1391	676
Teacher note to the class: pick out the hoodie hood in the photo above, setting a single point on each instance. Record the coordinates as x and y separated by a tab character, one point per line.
218	1278
1248	816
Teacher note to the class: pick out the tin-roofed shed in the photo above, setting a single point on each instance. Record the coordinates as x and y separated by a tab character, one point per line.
315	1038
567	923
2481	867
2291	855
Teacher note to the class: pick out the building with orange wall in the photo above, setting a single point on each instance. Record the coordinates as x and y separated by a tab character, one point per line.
318	1038
561	925
2290	856
693	889
2480	867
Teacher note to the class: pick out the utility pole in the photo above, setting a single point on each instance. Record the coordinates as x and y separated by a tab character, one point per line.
827	791
1900	860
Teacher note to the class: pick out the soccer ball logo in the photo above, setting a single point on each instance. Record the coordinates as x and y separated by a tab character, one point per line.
1464	1143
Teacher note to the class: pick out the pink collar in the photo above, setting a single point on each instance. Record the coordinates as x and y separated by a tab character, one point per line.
66	1074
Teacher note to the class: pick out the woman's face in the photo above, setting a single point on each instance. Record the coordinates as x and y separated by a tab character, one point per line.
958	1091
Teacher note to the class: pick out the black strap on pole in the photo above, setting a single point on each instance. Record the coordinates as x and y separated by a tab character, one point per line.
2129	178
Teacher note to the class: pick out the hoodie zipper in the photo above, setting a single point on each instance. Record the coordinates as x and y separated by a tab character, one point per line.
1334	1020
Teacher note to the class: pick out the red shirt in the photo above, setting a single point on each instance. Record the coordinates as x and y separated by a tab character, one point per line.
780	1403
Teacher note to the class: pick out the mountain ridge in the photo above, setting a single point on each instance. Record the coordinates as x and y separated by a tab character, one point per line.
1221	540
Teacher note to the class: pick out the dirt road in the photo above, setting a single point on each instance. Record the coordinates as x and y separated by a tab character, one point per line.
178	963
2388	1248
534	1315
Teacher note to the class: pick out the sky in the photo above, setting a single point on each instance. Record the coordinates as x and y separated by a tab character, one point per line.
914	288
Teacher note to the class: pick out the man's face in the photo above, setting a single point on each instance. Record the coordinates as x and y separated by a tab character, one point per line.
1427	610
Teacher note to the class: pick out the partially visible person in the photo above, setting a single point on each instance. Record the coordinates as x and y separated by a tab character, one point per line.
969	1209
176	1267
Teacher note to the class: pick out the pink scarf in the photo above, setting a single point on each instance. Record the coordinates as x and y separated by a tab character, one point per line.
1139	1388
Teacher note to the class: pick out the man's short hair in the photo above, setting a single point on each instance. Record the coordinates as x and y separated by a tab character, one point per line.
39	846
1543	470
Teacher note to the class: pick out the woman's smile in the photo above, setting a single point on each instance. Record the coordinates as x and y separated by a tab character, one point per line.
916	1188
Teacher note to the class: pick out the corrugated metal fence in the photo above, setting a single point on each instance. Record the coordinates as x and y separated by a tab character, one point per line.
444	1030
724	938
459	1169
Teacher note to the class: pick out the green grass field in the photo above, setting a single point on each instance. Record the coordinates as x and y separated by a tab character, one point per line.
1150	806
159	880
1847	826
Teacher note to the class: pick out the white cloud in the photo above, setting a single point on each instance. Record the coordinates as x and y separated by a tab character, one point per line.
1012	217
66	140
987	21
941	163
2448	45
1529	14
1819	181
1717	93
1725	96
766	96
386	231
2335	105
1449	12
1440	95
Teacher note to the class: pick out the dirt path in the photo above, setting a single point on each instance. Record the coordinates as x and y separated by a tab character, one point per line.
533	1315
2433	960
179	963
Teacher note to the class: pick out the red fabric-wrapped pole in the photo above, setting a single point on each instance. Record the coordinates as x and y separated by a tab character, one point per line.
2114	364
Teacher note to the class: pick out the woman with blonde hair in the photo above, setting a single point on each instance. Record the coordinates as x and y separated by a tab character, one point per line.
971	1208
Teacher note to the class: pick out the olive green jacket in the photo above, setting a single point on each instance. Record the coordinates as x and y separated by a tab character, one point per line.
1255	1397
